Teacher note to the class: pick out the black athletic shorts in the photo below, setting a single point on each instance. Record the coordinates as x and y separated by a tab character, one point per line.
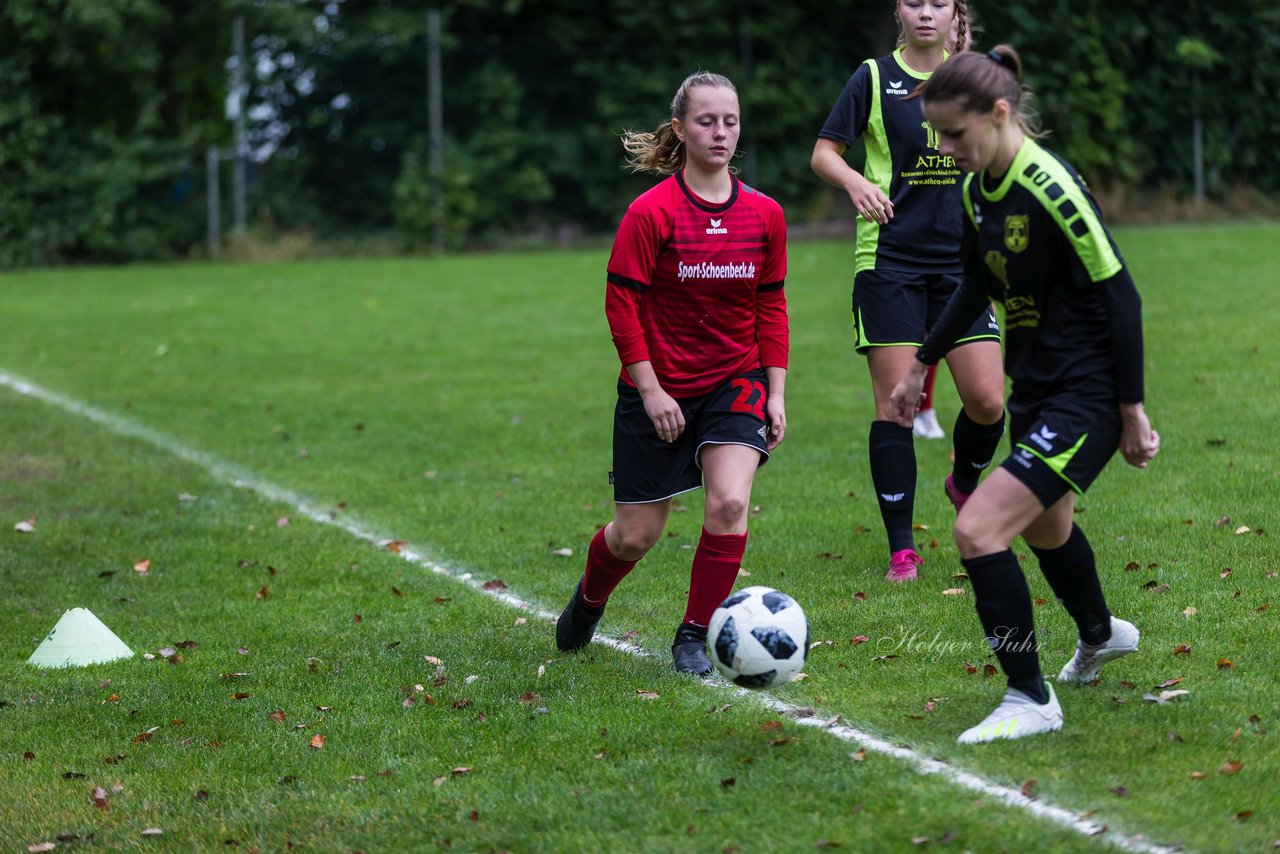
1061	442
648	469
896	307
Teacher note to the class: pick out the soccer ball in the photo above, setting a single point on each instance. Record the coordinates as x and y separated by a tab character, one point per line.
758	637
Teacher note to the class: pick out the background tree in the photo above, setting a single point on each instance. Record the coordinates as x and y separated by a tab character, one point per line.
106	108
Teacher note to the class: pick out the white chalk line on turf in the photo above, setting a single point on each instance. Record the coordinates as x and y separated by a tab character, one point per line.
229	473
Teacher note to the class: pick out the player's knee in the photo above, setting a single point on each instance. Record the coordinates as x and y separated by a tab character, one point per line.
725	513
634	542
985	408
973	539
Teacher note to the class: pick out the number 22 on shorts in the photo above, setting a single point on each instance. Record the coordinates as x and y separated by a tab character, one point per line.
751	397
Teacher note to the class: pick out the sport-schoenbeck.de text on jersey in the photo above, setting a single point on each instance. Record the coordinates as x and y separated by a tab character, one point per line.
708	270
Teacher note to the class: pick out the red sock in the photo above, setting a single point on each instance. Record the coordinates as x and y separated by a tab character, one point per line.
926	396
604	571
715	568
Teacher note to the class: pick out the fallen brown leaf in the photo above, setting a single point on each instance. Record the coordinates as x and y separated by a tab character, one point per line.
646	695
98	797
142	567
1182	649
1028	788
276	715
1225	664
1169	683
317	741
145	736
1230	767
495	584
857	639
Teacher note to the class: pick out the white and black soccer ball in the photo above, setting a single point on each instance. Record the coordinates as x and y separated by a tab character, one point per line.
758	637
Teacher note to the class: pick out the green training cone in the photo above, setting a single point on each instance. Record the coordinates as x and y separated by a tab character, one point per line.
79	638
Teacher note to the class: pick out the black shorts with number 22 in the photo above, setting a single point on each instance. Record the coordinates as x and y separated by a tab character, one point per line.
648	469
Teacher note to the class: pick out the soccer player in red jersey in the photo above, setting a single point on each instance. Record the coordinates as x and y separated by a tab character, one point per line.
695	304
907	264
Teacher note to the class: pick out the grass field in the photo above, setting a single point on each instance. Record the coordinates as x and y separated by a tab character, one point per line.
463	405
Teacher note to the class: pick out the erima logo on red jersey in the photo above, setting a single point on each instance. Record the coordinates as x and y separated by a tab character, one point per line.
715	227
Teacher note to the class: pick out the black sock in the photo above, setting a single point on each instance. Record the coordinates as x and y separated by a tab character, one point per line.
893	474
1004	607
1072	573
975	445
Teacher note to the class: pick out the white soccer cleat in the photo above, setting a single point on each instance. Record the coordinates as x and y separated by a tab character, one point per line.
1017	716
926	425
1084	665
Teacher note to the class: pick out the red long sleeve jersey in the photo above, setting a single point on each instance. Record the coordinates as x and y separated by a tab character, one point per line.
697	288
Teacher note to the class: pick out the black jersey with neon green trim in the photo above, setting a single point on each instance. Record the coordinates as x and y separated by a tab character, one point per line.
1036	243
902	160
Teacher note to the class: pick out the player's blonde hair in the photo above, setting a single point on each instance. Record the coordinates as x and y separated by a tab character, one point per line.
661	151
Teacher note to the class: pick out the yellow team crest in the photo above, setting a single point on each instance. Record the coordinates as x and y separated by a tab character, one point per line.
999	267
1016	229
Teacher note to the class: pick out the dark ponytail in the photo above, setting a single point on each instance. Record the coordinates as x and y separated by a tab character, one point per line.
977	80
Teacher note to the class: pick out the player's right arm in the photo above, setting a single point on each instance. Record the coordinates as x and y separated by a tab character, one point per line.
829	164
631	267
846	122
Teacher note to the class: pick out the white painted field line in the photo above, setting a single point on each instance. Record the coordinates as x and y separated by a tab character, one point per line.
229	473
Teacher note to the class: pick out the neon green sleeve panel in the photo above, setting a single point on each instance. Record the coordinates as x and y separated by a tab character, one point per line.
968	201
878	170
1061	195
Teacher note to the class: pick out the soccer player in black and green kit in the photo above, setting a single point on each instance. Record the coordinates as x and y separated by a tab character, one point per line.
907	264
1034	240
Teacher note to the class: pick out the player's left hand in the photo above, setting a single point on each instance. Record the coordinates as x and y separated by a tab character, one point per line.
1139	444
776	415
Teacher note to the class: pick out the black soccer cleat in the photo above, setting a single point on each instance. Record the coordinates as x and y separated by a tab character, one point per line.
690	651
577	623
